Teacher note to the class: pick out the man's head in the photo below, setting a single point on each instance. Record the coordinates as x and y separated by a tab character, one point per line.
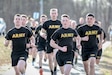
73	24
43	18
17	20
65	20
54	13
90	19
81	20
24	19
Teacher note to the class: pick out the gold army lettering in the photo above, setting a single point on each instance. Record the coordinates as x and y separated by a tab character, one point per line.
18	35
93	32
66	35
54	26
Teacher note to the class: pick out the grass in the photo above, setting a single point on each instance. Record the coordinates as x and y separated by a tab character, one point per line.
4	52
106	61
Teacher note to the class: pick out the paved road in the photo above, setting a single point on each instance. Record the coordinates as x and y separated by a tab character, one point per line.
76	70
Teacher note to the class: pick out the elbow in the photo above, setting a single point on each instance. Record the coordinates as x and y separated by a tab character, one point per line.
5	45
51	43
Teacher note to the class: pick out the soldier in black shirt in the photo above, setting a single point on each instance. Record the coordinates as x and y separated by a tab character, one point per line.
73	26
18	35
34	25
41	43
48	28
64	36
81	22
99	52
31	51
88	34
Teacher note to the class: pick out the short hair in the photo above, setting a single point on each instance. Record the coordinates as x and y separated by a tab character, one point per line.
90	14
43	15
25	16
73	21
17	15
53	9
65	15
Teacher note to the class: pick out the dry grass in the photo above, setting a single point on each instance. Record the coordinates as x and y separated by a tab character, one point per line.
4	52
106	61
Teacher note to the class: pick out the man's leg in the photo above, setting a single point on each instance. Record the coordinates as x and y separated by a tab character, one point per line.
86	67
40	62
16	70
45	56
50	60
67	69
92	65
21	66
98	57
40	58
55	62
34	54
62	69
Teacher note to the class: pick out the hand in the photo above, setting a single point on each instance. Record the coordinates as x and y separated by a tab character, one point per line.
64	49
28	45
99	46
79	47
86	38
76	54
33	45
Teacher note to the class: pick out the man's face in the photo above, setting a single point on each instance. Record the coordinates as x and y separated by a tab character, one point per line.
90	20
17	20
43	19
24	20
73	25
65	21
54	14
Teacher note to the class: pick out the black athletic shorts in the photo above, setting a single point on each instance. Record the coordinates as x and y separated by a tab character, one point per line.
63	59
15	57
41	46
99	54
49	48
87	54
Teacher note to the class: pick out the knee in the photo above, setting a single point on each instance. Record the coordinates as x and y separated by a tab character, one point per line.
17	72
91	65
66	73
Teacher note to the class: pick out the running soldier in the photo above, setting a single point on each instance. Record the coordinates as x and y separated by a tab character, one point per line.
18	36
48	28
64	36
88	34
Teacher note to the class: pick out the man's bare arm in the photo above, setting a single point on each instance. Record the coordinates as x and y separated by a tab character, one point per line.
6	43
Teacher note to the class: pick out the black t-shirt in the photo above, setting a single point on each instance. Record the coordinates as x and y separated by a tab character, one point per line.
92	32
50	26
103	36
33	30
65	38
19	38
78	26
40	39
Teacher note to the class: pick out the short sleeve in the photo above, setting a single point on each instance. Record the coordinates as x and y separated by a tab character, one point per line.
55	35
8	36
99	30
75	33
30	33
79	31
45	26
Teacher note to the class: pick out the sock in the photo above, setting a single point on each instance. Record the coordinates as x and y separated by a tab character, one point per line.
40	67
33	60
51	72
55	68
